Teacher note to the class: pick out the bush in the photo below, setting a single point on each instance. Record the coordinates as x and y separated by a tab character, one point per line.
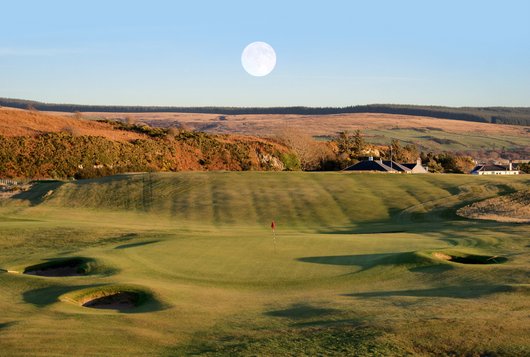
62	155
290	161
448	162
524	167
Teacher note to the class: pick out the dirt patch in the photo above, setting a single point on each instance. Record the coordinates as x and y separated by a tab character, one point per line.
60	267
121	300
510	208
441	256
470	258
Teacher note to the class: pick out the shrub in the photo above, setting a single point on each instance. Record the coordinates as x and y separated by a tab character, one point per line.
290	161
62	155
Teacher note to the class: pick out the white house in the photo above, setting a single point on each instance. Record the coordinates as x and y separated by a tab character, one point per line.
494	170
417	167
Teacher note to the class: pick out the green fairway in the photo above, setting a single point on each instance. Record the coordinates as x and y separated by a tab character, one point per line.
361	264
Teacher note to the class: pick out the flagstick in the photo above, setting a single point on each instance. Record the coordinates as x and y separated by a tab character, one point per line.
274	239
273	227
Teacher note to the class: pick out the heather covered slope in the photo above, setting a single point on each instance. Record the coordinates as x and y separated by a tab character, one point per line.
494	130
362	264
40	145
17	122
378	128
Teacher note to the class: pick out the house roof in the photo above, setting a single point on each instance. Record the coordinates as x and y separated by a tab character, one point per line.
410	166
370	165
396	166
490	168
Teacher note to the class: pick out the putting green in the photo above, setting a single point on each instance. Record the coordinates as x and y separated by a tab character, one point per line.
186	263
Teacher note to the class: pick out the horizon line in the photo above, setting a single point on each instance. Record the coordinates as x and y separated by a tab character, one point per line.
173	106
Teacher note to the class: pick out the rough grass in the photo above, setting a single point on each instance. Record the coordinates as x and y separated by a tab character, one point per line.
509	208
352	271
430	133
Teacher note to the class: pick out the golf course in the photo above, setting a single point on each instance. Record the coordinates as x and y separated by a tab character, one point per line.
186	263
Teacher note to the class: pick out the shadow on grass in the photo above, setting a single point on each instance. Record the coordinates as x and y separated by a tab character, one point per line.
448	227
366	261
377	227
39	191
137	244
361	260
459	292
302	311
4	325
47	296
432	269
50	295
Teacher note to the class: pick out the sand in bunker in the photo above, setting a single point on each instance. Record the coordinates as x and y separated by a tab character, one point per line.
470	259
70	267
119	301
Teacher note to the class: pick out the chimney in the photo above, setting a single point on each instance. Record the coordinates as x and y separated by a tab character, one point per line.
510	166
371	158
418	162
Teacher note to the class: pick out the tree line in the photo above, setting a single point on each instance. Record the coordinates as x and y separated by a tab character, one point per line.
352	148
496	115
346	149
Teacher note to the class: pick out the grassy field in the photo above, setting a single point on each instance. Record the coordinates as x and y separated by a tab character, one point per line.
362	264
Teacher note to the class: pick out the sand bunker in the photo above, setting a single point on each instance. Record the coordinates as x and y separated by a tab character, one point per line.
111	297
510	208
60	267
470	258
121	300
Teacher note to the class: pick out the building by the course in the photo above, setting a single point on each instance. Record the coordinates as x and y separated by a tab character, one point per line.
379	165
494	169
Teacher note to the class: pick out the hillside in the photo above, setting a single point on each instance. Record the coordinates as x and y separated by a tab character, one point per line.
509	208
426	132
478	138
40	145
17	122
295	199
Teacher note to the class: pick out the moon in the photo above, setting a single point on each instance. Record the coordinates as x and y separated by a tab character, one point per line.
258	59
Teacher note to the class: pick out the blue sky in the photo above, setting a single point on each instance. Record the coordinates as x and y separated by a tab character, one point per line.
330	53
